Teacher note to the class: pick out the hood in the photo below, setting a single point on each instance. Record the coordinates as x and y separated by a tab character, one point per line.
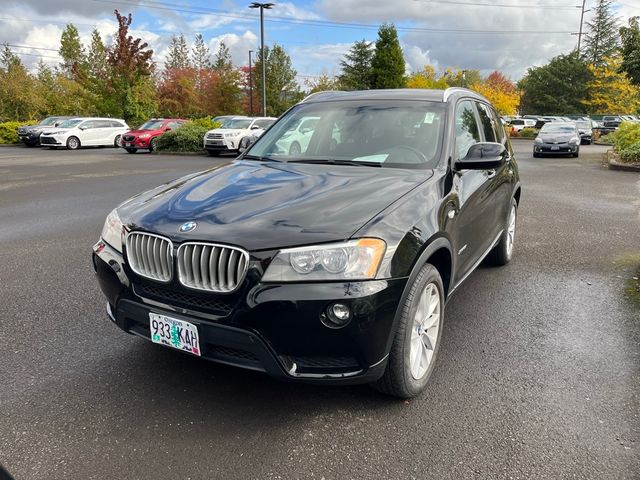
556	137
234	131
140	132
266	205
48	130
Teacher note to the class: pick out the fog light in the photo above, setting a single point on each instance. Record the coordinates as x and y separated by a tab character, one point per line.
337	316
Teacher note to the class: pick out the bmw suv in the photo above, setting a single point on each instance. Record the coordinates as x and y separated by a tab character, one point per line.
331	263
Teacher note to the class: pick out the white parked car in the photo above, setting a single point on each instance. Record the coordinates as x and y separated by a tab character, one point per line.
85	132
519	124
296	140
228	137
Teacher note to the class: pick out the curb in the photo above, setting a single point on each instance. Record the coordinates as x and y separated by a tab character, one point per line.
182	154
624	167
10	144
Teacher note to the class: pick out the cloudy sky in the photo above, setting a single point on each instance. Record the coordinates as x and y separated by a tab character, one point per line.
509	35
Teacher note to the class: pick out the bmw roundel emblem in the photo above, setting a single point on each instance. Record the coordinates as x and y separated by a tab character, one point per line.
188	226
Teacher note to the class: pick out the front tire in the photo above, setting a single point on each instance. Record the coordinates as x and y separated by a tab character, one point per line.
417	338
503	252
295	149
536	155
131	150
73	143
153	144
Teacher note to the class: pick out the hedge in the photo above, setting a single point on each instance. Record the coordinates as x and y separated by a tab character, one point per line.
187	138
626	142
9	131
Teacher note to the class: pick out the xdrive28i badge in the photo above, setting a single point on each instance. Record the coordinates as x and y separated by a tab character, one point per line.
187	227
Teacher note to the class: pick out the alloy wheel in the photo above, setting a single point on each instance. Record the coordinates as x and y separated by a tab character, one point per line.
511	230
424	331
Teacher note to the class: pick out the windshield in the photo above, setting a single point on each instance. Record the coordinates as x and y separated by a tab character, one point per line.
70	123
381	133
152	125
583	124
49	121
558	128
237	123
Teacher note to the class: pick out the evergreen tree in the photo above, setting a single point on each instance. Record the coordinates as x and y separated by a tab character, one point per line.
282	88
630	40
387	65
601	38
356	67
200	54
223	58
558	88
178	54
97	56
71	51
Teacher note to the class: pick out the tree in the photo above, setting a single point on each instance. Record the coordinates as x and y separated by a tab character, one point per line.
427	78
130	85
461	78
630	48
177	93
500	91
71	51
282	88
19	99
223	58
356	67
610	90
178	54
200	54
322	83
558	88
601	38
387	64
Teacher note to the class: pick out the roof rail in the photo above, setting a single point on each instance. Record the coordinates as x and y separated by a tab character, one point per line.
453	90
321	94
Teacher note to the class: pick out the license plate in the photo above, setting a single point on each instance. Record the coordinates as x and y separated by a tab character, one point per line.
174	333
555	148
128	144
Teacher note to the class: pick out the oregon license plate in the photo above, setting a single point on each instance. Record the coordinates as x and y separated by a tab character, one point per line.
128	144
555	148
174	333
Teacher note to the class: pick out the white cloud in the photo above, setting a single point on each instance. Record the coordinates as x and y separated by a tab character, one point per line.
238	45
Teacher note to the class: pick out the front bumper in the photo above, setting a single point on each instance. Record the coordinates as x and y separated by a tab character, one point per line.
29	138
220	145
49	140
555	148
274	328
136	142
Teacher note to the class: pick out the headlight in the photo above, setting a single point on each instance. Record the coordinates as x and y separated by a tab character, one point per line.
352	260
574	140
538	140
112	230
229	135
144	135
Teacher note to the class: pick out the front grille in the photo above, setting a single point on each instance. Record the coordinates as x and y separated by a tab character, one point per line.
181	299
221	351
211	267
48	140
128	138
325	362
150	255
215	135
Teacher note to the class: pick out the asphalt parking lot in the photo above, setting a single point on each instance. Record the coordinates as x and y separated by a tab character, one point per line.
537	375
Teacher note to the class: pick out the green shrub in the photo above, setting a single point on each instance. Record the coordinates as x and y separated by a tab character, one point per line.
9	131
187	138
206	122
625	136
631	154
528	132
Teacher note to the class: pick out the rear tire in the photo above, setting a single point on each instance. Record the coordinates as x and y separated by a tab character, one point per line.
417	338
117	142
503	251
131	150
73	143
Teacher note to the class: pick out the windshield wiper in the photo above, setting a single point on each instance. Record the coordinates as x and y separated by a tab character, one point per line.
333	161
260	159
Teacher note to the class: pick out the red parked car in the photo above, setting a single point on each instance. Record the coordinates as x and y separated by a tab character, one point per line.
147	135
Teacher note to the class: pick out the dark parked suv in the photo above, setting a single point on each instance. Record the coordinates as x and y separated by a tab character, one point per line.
331	264
146	136
30	134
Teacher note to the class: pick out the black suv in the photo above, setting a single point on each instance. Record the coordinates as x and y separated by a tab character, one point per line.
331	264
30	134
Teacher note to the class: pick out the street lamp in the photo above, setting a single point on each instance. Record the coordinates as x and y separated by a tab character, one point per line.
262	6
250	86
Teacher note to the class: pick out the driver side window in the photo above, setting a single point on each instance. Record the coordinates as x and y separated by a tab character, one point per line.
467	132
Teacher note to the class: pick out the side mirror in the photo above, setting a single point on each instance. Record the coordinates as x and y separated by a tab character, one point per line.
82	128
168	129
255	127
246	142
305	130
482	156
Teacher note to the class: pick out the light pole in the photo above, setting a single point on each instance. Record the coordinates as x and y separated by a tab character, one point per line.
582	12
250	86
262	6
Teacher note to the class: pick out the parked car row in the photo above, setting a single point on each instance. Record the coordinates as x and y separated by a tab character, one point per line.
235	133
146	137
74	132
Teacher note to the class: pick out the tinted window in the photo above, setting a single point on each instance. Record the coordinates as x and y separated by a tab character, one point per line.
501	135
90	124
152	125
487	123
114	124
106	124
400	134
467	132
70	123
237	123
263	123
